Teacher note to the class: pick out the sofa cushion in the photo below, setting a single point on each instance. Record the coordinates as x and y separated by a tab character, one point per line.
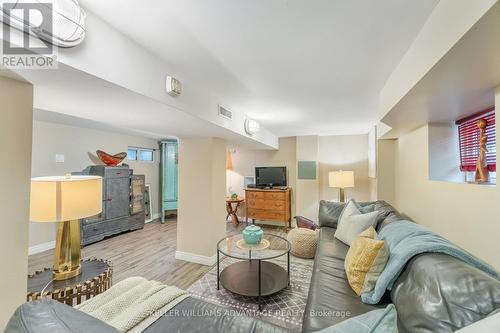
49	316
329	211
352	222
387	214
190	315
365	260
440	294
331	299
195	315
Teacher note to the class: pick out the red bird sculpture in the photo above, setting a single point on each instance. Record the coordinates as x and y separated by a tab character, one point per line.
111	160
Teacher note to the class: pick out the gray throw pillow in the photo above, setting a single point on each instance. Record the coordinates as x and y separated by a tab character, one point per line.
329	213
365	209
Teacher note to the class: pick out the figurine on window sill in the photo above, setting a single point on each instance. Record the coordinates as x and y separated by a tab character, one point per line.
482	173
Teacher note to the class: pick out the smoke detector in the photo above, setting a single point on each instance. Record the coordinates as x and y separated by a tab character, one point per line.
251	126
173	86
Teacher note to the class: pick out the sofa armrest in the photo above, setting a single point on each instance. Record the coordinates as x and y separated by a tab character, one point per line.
304	222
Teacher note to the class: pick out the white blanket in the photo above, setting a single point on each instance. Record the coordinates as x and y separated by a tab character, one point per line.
133	304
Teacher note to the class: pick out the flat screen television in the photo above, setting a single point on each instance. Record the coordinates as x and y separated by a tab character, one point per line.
270	176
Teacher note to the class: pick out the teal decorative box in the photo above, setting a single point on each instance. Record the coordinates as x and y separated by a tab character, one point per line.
252	234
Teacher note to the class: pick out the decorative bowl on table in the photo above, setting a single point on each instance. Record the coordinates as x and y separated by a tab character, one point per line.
252	234
111	160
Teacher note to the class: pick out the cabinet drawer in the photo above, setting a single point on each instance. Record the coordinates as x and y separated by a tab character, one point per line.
99	228
274	196
266	204
254	195
116	172
262	214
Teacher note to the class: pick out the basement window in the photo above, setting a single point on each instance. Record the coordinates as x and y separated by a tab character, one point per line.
140	154
468	136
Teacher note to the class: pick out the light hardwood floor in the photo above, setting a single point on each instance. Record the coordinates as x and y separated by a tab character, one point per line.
149	253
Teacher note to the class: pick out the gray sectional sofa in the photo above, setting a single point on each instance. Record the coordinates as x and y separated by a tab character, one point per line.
190	315
435	292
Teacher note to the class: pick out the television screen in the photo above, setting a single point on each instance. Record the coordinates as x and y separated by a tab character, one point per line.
270	176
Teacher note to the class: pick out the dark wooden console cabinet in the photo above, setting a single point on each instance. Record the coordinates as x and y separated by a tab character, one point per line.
122	207
269	204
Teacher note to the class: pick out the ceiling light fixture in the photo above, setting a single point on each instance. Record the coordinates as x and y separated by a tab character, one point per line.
251	126
60	23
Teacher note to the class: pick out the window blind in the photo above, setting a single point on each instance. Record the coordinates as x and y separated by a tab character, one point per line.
468	133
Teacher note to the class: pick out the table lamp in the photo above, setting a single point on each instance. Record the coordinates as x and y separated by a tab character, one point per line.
65	200
342	180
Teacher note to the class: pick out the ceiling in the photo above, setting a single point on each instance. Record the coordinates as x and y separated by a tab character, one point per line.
299	67
87	102
461	83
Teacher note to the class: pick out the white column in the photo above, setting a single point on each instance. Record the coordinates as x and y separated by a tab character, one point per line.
16	112
202	188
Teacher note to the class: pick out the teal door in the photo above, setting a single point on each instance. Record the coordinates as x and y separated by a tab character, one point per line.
169	166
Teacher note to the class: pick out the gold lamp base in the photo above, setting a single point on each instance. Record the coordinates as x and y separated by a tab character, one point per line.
341	195
67	255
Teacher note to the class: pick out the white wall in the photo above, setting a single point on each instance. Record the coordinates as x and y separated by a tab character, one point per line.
448	22
78	145
444	155
15	144
467	214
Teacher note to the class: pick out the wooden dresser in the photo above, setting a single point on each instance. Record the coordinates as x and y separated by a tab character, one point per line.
269	205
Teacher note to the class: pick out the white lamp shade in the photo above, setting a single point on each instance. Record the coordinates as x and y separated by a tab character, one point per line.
341	179
57	199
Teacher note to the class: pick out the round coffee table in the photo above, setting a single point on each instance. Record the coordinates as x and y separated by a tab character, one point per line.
254	276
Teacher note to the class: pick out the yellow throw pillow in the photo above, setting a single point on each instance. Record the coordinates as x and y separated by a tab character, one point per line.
365	261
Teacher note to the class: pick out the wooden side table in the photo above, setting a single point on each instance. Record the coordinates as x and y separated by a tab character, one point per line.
232	210
96	278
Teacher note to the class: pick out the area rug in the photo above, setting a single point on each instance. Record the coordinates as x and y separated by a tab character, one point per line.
284	308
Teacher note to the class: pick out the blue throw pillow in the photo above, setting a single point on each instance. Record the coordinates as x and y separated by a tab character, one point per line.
376	321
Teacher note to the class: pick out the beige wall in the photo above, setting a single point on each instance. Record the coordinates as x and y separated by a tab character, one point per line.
78	145
385	182
245	161
15	144
331	153
308	189
467	214
202	191
344	152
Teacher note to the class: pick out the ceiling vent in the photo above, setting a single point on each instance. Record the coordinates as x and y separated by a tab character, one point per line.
226	113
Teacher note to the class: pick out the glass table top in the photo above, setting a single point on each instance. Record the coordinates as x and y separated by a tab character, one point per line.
271	246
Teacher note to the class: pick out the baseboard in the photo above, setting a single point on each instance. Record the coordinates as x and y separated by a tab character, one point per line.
41	247
196	258
155	217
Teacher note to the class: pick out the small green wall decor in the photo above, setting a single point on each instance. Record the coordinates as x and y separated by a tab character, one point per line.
307	170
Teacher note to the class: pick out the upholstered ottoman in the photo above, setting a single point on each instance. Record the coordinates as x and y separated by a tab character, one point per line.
303	242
